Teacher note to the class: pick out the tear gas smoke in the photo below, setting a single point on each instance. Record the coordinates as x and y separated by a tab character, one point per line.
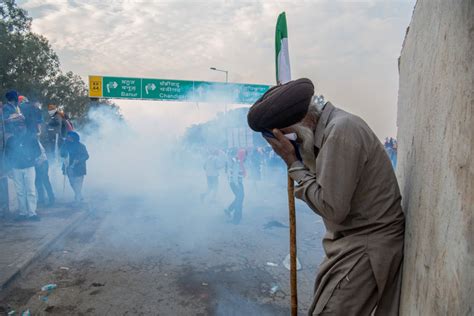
148	178
144	156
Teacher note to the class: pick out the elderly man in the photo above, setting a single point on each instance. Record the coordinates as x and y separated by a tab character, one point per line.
346	177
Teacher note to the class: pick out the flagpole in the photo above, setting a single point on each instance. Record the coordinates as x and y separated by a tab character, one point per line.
283	75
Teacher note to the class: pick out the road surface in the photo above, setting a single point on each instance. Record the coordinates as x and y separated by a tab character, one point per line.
169	254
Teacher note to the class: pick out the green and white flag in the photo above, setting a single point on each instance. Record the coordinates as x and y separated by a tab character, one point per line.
283	73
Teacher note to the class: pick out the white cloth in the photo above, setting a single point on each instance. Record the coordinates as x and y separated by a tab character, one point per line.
76	185
24	180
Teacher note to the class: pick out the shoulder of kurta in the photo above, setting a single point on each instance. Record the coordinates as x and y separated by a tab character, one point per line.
346	127
350	130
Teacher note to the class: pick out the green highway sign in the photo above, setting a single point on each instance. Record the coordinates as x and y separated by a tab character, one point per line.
167	90
127	88
173	90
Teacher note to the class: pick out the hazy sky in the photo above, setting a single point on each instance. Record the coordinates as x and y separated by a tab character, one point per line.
348	48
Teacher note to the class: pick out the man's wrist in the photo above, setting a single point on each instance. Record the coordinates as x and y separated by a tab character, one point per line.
297	171
290	160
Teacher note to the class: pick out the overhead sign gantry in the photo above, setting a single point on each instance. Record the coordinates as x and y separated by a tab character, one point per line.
173	90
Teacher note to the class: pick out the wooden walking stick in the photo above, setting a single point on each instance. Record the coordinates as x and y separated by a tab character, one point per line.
293	284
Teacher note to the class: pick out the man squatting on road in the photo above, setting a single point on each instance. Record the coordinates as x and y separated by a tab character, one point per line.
346	177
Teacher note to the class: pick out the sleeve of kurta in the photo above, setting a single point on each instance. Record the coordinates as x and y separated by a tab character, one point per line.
329	190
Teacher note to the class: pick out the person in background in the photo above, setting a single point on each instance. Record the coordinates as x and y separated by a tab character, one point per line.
212	167
3	174
11	113
255	159
391	149
33	121
21	151
236	172
76	155
56	130
53	137
42	182
32	114
393	156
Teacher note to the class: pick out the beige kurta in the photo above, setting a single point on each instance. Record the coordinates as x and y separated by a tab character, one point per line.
355	191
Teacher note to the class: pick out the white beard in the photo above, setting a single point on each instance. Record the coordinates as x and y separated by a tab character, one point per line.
306	135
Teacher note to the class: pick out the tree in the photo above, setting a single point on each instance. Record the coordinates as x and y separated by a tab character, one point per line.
29	65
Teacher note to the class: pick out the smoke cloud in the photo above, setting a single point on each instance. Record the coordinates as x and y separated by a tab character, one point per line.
145	178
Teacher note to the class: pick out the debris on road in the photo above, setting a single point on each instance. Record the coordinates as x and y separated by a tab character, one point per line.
271	264
49	287
97	284
272	224
274	289
49	308
286	263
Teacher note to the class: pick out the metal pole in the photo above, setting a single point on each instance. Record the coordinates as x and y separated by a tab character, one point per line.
226	82
291	207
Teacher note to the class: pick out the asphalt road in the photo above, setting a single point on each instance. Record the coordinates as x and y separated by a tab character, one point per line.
170	254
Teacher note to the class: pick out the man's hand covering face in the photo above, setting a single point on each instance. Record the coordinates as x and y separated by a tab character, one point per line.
282	147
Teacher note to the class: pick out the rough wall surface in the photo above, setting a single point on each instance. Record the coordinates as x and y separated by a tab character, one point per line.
436	161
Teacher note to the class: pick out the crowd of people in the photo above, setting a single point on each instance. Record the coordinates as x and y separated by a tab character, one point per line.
237	164
30	145
390	145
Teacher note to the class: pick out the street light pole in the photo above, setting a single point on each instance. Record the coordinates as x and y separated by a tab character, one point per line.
225	104
221	70
226	82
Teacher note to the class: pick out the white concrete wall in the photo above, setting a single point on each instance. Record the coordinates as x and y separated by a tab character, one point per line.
436	161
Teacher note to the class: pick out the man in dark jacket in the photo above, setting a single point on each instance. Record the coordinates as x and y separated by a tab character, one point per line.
21	151
56	132
32	114
11	113
42	182
75	166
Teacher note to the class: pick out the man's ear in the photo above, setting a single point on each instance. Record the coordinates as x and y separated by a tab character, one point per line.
309	121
